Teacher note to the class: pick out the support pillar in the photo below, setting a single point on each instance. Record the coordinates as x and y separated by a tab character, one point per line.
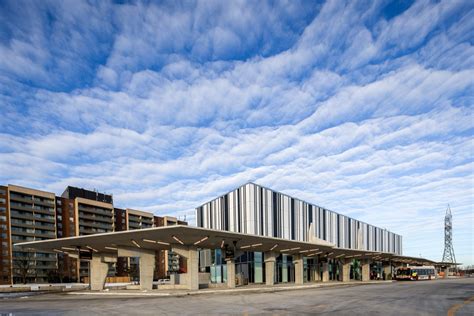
316	271
230	273
346	270
270	259
365	270
325	272
191	278
147	267
97	273
387	269
299	269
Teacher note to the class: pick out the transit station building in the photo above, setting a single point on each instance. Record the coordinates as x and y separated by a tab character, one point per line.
251	235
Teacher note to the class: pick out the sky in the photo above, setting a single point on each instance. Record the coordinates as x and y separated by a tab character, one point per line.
362	107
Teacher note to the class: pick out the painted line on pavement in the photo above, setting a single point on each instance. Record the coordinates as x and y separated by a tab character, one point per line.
455	307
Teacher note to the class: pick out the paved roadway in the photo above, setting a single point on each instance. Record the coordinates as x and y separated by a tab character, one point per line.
399	298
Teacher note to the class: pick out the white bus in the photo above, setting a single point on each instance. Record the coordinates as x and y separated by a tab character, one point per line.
415	273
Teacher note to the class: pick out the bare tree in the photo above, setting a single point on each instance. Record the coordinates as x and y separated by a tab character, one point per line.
24	266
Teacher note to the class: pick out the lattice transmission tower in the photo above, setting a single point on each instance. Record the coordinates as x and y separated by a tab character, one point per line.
448	254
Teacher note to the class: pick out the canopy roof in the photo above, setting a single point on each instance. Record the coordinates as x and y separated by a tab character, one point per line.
162	238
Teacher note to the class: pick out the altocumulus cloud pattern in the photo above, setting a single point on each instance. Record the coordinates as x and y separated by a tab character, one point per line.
364	107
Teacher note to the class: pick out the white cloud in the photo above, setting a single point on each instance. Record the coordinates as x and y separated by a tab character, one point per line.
367	117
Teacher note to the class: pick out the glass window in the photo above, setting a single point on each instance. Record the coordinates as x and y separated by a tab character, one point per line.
258	259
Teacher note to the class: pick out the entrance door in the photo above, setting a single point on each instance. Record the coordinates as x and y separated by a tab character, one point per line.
285	269
310	270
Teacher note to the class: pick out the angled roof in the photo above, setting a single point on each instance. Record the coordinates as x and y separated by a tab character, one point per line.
158	238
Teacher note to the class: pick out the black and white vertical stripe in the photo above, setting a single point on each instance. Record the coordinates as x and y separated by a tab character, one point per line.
253	209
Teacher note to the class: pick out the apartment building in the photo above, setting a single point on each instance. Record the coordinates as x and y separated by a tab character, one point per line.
130	219
167	262
66	227
5	244
28	214
93	214
32	216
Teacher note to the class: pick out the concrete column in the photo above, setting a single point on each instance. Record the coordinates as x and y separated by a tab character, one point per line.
230	273
365	270
147	267
192	257
97	273
325	272
270	259
299	269
388	271
316	276
346	270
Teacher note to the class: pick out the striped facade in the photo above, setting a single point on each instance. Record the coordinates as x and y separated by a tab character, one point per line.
253	209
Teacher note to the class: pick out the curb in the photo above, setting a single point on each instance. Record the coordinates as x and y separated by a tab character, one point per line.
228	291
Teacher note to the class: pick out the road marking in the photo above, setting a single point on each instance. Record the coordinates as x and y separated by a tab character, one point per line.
455	307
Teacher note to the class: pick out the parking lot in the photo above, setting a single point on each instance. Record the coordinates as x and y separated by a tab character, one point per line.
398	298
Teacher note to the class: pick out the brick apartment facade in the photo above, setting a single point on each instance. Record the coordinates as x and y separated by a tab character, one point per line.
28	214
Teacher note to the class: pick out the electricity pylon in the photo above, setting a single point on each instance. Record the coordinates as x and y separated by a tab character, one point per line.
448	255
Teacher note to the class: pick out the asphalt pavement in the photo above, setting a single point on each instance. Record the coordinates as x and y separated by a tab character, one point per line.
440	297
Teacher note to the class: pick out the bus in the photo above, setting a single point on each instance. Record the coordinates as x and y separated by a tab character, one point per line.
416	273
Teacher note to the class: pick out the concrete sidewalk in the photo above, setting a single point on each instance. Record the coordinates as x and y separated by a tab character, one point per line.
244	289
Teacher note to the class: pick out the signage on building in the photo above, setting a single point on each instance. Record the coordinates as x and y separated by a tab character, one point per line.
173	262
229	253
85	254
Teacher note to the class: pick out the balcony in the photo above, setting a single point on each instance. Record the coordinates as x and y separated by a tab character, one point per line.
86	231
47	203
51	219
48	212
15	232
45	227
134	225
23	225
47	267
18	223
16	239
95	225
95	218
18	198
99	211
46	259
32	233
46	235
21	207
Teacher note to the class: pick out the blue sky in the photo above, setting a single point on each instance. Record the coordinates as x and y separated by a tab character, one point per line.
363	107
